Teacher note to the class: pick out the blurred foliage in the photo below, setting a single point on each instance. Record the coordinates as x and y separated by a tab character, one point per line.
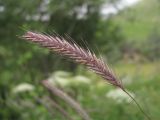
139	21
153	50
130	40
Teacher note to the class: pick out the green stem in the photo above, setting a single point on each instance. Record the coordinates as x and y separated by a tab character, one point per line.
140	108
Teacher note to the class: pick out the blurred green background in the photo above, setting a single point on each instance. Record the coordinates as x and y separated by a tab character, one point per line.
125	32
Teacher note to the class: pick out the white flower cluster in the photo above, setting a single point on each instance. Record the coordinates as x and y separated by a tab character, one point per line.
23	87
65	79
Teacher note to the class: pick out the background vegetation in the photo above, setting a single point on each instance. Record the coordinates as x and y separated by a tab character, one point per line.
129	41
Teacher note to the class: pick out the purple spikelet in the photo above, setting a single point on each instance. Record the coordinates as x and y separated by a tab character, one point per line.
74	52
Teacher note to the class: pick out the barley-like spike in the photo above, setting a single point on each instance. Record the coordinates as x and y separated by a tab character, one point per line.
74	52
79	55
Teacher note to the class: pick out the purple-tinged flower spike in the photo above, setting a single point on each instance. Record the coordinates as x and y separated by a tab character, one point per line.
74	52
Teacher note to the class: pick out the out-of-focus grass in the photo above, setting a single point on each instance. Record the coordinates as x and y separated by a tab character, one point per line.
140	79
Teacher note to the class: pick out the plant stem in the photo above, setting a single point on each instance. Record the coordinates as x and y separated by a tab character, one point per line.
138	105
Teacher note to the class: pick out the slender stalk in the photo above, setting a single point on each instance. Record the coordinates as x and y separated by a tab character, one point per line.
59	93
47	106
140	108
59	108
